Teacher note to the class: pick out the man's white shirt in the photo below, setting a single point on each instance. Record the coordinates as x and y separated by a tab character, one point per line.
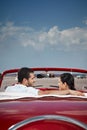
20	88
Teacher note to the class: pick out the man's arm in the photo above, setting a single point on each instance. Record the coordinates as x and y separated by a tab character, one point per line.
60	92
78	93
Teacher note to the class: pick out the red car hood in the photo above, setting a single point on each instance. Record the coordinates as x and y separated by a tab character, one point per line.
14	111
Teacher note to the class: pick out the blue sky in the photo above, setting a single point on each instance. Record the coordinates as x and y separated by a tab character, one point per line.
43	33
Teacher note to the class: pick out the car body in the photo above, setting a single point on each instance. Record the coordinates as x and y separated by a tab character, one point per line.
43	112
81	76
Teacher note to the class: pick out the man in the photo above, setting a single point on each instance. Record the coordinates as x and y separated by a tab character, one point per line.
26	80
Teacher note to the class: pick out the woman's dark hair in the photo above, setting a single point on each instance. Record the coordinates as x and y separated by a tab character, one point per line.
69	79
24	73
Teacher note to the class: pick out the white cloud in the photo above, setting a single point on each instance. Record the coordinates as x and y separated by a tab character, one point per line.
61	39
85	21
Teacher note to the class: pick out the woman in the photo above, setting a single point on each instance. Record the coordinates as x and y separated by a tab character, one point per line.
66	81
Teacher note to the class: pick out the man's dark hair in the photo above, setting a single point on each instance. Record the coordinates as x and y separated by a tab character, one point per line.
69	79
24	73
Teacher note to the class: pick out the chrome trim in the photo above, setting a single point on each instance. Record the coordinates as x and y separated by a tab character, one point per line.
48	117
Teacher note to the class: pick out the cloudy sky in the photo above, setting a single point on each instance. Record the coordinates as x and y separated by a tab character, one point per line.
43	33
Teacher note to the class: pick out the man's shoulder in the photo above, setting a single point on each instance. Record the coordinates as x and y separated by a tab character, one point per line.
16	87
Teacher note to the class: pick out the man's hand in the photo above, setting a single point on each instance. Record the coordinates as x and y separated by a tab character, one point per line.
78	93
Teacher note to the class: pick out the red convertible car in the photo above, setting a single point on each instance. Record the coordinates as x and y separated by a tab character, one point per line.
53	112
